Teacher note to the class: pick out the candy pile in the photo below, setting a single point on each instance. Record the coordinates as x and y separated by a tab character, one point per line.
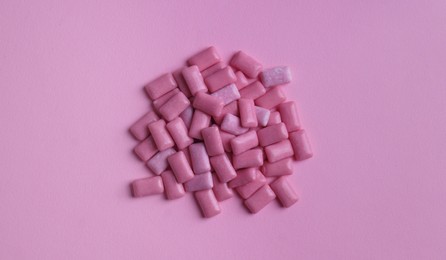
215	128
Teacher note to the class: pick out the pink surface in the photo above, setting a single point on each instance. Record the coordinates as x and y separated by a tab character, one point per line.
369	81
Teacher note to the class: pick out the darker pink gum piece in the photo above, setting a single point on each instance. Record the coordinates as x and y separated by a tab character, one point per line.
157	103
172	188
242	81
223	167
250	158
146	149
271	98
147	186
284	191
194	80
244	176
248	117
160	135
279	151
244	142
174	106
160	86
245	191
182	85
139	129
220	78
209	104
178	131
279	168
212	69
288	113
253	90
212	140
260	199
301	145
221	190
226	139
205	58
208	203
246	64
199	158
274	118
200	121
180	167
272	134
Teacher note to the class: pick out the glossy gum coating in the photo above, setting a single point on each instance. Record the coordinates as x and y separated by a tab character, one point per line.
228	93
205	58
172	188
241	81
274	118
275	76
200	121
223	168
187	115
289	115
146	149
174	106
147	186
220	78
248	117
232	125
179	133
212	69
221	190
182	85
208	203
194	80
244	176
253	90
158	163
273	97
160	86
199	182
139	129
212	141
284	191
301	145
160	135
260	199
199	158
250	158
244	142
245	191
272	134
279	168
231	108
180	167
157	103
226	140
262	115
246	64
208	104
279	151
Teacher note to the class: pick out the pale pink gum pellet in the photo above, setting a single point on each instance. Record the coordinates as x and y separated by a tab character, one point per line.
275	76
228	93
158	163
223	168
301	145
212	141
160	86
187	115
146	149
212	69
180	167
221	190
182	85
226	140
246	64
208	203
263	115
279	151
199	158
179	133
174	106
160	135
205	58
139	129
245	191
147	186
244	142
157	103
200	121
250	158
272	134
279	168
231	108
273	97
194	80
232	125
253	90
199	182
248	117
288	114
284	191
242	81
220	78
172	188
209	104
274	118
244	176
260	199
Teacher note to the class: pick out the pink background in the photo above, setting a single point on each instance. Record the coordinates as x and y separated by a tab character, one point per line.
370	85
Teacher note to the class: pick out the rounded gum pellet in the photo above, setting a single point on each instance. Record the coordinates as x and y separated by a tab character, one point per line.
220	78
244	177
208	203
187	115
250	158
174	106
160	86
245	191
146	149
139	129
279	168
172	188
200	121
253	90
212	69
199	182
178	132
212	141
279	151
210	105
284	191
244	142
199	158
289	116
223	168
147	186
160	135
159	102
158	163
232	125
246	64
194	80
271	98
242	81
221	190
205	58
260	199
182	85
231	108
272	134
180	167
248	117
226	140
301	145
274	118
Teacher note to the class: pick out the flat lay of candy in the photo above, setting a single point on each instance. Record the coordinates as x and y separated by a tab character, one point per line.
221	130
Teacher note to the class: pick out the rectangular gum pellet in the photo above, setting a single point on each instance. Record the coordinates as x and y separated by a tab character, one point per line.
228	93
158	163
220	78
226	139
212	141
139	129
273	97
248	117
212	69
147	186
180	166
244	142
260	199
272	134
200	121
208	104
231	108
187	115
221	190
250	158
232	125
223	168
246	64
284	191
253	90
160	86
301	145
194	80
279	168
157	103
199	158
289	116
262	115
275	76
199	182
245	191
172	188
244	177
205	58
174	106
160	135
179	133
146	149
208	203
182	85
279	151
242	81
274	118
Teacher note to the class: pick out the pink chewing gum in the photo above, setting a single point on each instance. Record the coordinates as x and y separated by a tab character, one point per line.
262	115
174	106
172	188
272	134
274	118
248	159
223	168
301	145
200	121
232	125
228	94
221	190
194	80
289	116
241	81
178	131
147	186
248	117
245	191
244	142
220	78
205	58
199	158
187	115
244	176
158	163
260	199
231	108
209	104
212	69
199	182
279	168
279	151
246	64
284	191
160	135
157	103
160	86
139	128
275	76
226	140
212	141
208	203
182	85
180	167
146	149
253	90
271	98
